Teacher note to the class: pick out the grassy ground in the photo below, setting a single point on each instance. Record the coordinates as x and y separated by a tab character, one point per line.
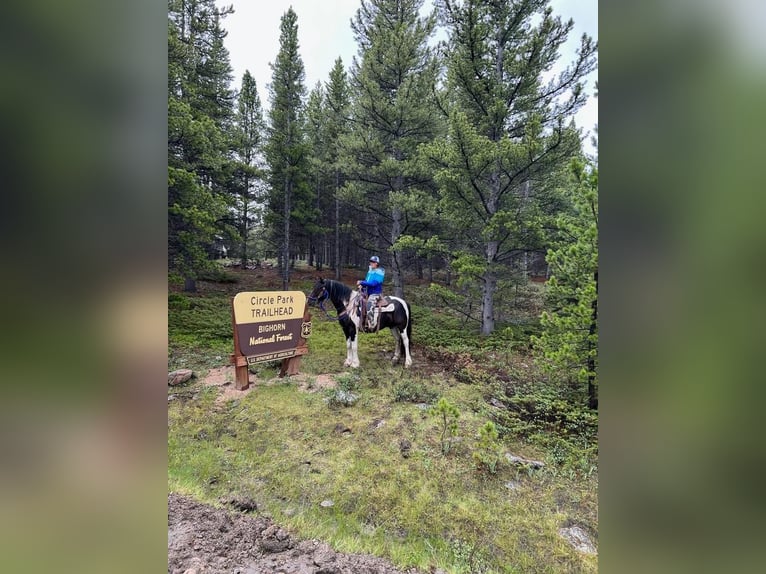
290	447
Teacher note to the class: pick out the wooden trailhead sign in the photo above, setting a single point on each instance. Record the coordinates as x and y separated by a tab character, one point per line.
268	326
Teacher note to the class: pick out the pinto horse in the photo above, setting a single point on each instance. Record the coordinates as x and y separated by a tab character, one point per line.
347	305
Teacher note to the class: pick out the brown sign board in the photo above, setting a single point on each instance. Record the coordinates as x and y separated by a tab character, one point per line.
269	324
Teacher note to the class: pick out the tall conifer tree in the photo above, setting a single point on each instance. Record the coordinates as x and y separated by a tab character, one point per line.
286	148
248	145
568	345
199	117
338	125
393	81
507	128
316	135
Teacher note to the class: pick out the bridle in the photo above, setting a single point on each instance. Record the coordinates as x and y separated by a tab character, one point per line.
319	299
319	302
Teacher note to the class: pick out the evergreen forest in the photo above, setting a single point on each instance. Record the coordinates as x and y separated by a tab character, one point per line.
459	163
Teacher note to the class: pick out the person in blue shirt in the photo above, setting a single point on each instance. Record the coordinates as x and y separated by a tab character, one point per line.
373	283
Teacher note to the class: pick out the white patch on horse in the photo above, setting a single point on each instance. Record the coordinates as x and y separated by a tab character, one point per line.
352	357
405	338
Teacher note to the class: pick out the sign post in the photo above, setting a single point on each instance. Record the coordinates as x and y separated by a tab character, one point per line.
269	325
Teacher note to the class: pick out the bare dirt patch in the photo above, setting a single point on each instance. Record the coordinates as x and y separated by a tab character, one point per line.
205	539
223	378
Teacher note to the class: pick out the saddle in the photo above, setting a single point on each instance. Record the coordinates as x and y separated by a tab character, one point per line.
372	321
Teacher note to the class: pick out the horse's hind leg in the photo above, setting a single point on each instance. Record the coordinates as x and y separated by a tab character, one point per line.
406	344
355	352
397	346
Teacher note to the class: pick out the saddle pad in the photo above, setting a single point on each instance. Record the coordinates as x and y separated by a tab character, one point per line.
387	308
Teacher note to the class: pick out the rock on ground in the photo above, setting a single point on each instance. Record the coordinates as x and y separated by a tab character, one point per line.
579	539
179	376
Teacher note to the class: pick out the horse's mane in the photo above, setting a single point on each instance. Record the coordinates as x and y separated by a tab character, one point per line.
337	291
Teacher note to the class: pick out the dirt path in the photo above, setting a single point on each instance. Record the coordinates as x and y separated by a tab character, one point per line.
207	540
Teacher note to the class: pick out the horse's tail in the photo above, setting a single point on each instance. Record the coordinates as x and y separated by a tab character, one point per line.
409	324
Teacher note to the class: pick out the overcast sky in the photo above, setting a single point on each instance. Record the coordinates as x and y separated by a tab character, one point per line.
324	33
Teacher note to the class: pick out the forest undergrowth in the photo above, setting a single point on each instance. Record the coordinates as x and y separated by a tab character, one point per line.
430	467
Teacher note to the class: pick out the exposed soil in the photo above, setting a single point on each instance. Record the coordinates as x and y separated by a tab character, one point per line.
203	539
223	378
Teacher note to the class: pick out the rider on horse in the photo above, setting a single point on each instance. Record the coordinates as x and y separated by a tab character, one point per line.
373	283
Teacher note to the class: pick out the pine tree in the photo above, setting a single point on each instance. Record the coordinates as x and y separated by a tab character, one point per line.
568	345
336	131
320	169
507	129
286	151
249	171
393	83
199	117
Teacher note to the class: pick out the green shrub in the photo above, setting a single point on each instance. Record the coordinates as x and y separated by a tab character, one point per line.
412	391
336	398
469	557
178	302
548	412
447	413
472	374
348	381
488	450
572	458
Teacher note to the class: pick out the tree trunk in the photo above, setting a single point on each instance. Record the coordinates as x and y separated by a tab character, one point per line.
592	393
396	232
490	275
190	285
286	241
312	251
396	228
244	223
488	292
337	226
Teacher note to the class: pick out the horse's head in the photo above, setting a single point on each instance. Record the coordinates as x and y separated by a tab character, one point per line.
318	293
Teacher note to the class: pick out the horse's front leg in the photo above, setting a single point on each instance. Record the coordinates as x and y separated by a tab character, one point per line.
347	363
355	352
352	352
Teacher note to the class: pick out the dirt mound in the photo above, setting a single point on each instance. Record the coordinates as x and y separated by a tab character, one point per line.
204	539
